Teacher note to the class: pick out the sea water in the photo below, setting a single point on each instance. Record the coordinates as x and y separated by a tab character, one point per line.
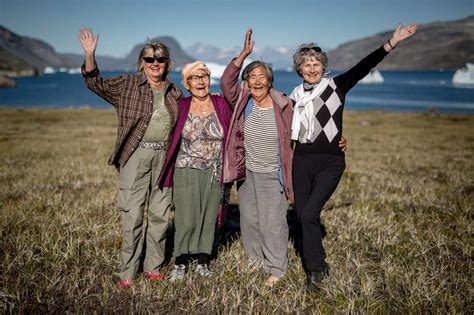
400	91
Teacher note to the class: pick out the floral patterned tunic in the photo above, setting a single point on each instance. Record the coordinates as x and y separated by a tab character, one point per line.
201	142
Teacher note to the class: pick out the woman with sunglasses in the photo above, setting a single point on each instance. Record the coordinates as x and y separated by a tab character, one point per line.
318	163
147	110
193	167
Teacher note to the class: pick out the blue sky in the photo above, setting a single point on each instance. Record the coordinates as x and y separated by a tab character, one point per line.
122	24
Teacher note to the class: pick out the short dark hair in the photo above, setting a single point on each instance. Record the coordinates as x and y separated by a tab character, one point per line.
256	64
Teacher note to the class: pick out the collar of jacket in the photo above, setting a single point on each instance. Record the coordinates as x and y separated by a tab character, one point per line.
278	97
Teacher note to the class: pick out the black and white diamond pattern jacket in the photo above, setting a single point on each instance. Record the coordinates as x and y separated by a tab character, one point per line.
329	106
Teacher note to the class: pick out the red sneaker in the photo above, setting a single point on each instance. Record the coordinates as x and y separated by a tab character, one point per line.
125	284
154	275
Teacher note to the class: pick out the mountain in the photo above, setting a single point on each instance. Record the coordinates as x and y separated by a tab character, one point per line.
280	58
35	52
18	53
105	62
13	66
439	45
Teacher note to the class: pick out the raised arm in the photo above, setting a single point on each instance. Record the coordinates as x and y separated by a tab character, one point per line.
247	50
89	44
109	89
349	79
230	77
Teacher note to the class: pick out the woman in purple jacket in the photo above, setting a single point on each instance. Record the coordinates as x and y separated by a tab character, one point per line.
194	161
259	156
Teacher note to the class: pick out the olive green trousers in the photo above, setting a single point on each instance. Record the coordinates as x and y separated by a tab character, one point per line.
196	196
137	195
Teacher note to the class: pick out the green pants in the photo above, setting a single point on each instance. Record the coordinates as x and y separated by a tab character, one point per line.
196	196
137	192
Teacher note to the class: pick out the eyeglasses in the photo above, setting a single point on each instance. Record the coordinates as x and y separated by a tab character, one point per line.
197	78
314	48
152	59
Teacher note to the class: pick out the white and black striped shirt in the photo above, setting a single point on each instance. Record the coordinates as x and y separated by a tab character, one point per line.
261	140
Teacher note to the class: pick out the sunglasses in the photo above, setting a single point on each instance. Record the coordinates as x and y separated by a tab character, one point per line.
152	59
314	48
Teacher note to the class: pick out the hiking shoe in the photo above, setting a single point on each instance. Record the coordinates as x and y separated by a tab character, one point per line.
203	270
154	275
178	273
314	279
125	284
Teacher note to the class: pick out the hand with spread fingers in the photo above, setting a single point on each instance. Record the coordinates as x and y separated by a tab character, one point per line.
247	50
88	40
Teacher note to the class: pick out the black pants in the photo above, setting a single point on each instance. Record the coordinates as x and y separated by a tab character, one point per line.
315	177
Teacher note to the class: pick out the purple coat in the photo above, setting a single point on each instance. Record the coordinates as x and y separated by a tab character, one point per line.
238	96
224	113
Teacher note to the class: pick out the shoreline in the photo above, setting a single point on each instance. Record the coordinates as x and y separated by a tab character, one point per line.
432	110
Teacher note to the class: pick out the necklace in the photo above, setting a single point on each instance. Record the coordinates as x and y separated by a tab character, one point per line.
201	106
203	109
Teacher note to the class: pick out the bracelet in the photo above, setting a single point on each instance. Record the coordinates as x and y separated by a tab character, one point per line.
390	44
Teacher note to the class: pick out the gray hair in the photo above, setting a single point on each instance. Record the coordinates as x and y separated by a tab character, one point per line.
256	64
307	51
159	49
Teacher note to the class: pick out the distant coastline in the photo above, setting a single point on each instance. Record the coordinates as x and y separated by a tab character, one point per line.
410	91
431	51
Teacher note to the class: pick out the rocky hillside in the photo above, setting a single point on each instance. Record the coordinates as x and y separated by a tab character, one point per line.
18	52
439	45
12	66
36	53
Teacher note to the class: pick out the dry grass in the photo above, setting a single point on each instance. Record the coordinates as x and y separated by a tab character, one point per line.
399	240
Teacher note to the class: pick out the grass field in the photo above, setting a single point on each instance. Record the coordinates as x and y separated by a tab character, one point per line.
399	227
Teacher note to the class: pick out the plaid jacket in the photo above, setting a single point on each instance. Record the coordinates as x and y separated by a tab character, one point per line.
132	98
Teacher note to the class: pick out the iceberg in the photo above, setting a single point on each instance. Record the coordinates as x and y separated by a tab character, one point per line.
49	70
74	70
373	77
464	75
216	72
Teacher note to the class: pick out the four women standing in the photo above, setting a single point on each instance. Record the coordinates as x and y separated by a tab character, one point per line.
211	146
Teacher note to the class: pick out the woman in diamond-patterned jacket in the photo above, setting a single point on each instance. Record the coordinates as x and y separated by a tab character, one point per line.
318	162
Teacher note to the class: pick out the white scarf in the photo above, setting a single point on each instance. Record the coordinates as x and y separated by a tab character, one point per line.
306	117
